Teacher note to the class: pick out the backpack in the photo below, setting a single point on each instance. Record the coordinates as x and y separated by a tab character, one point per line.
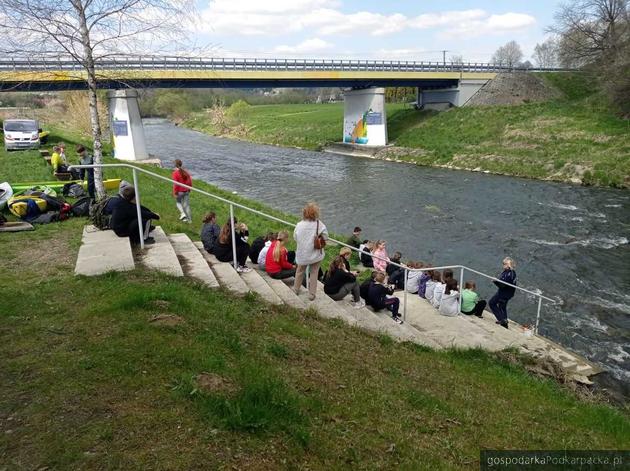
81	207
73	190
98	216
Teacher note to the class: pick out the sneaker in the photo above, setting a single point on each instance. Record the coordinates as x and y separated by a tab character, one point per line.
149	241
359	304
397	319
296	291
311	297
502	324
182	217
243	269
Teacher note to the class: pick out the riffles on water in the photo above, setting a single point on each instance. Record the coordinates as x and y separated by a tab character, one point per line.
570	242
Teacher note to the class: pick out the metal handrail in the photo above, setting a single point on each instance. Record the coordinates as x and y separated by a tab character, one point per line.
187	63
282	221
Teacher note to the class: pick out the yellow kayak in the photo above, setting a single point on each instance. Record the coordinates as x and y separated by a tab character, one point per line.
111	184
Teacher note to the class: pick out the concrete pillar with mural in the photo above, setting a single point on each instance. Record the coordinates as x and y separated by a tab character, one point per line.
126	125
364	118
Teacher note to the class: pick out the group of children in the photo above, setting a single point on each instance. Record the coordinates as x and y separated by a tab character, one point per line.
438	288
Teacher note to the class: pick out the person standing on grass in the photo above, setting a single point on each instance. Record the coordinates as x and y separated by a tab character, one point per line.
276	263
498	302
87	173
181	193
307	256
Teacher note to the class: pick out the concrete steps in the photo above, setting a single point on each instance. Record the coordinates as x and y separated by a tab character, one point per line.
257	284
102	252
284	291
191	260
160	256
225	273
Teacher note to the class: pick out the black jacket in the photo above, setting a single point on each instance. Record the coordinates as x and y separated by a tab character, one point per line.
377	295
505	291
366	260
124	213
256	248
335	281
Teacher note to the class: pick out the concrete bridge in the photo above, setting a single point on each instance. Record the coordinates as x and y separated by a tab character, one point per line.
438	84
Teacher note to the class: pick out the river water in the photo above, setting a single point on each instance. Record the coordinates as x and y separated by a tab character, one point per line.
569	242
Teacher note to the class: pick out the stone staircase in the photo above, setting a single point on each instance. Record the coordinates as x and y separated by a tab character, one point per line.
178	255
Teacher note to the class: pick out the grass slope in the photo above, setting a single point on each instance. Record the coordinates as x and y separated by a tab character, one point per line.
571	139
88	382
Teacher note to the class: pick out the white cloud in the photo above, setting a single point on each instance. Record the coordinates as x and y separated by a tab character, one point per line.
490	25
305	47
324	18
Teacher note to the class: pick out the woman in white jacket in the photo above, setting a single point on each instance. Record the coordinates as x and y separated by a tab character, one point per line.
306	254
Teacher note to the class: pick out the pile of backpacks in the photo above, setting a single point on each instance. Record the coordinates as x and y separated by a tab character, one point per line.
41	205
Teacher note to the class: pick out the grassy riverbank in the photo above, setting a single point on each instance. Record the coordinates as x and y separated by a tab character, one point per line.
88	381
575	138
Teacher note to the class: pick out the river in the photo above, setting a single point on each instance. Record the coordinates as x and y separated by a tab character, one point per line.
569	242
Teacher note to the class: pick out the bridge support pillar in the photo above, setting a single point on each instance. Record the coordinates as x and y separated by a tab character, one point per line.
126	125
364	118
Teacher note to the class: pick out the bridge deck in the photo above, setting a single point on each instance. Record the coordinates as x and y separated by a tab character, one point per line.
199	78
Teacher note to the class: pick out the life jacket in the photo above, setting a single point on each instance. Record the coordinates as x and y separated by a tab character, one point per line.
27	206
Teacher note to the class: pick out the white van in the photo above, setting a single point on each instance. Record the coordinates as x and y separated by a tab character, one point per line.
20	134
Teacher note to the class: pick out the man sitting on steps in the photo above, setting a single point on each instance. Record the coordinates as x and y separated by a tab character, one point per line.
124	220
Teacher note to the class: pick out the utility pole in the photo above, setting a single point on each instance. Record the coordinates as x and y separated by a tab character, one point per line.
444	51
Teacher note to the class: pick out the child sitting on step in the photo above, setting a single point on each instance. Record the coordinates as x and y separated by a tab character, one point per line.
436	277
449	305
471	304
379	297
422	283
438	289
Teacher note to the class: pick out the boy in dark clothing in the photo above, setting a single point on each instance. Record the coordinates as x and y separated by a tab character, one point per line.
124	220
87	159
366	259
364	289
355	240
378	297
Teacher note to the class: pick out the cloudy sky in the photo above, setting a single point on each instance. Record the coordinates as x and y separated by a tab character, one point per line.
371	29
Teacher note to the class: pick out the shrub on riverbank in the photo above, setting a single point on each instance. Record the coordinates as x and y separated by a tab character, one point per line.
574	138
142	370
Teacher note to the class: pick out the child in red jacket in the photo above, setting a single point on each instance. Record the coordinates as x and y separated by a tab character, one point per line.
276	263
181	193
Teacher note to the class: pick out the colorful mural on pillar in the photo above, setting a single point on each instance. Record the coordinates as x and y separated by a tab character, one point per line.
364	120
359	131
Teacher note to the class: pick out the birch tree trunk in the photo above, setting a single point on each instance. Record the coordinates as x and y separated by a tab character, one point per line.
93	99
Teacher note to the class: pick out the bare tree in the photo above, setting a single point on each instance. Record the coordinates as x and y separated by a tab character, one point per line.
88	31
508	55
546	53
595	35
457	59
592	29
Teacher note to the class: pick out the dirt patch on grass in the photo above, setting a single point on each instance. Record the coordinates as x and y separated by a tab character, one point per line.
213	383
169	320
41	259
